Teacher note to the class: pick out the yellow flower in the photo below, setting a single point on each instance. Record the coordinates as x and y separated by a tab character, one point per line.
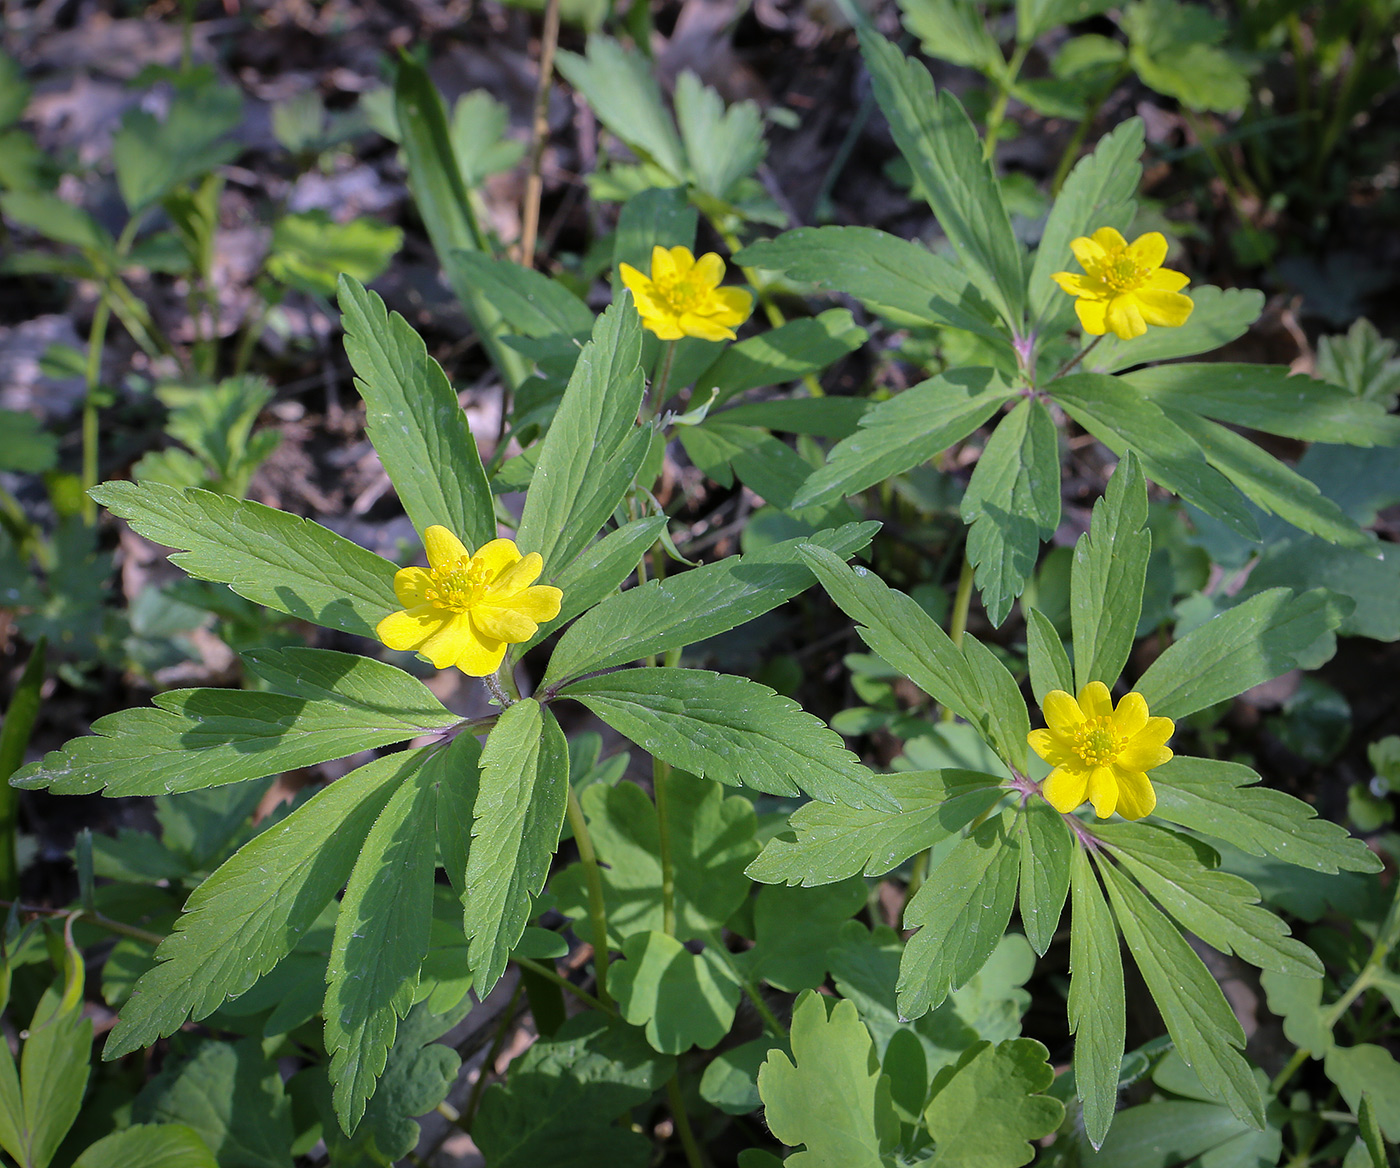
682	296
464	609
1101	753
1125	288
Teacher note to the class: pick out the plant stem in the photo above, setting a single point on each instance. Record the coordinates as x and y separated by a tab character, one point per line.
997	114
1078	357
661	382
957	626
539	134
597	907
564	983
97	919
92	380
464	1119
673	1096
14	737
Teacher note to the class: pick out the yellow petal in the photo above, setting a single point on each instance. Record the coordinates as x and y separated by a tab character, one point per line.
1136	797
1148	251
1095	700
1143	755
1092	315
498	556
1062	712
733	307
663	267
1110	240
1054	750
665	325
516	578
1103	791
637	283
1166	280
448	640
1124	318
540	603
410	584
408	630
694	325
1131	715
709	270
1077	285
443	547
1165	309
502	622
684	261
650	302
1064	788
480	657
1087	251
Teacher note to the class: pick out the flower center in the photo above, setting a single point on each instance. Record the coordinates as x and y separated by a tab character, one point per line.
1121	274
458	585
681	294
1096	743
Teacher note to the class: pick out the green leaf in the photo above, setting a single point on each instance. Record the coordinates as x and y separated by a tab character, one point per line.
783	354
381	938
1362	361
415	421
941	145
1048	661
1179	1132
1097	1005
251	913
1369	1124
712	839
519	814
970	681
1012	503
529	301
164	1145
905	431
655	217
442	200
560	1103
989	1106
1099	192
961	912
1047	848
702	603
1216	798
1218	318
196	738
1107	577
683	999
1123	419
25	446
1034	17
57	220
730	1081
39	1104
1298	1001
479	142
1241	648
1206	1032
795	930
310	250
587	462
772	469
1372	1071
835	841
1270	484
731	729
1172	49
721	145
1222	909
823	417
152	158
954	32
621	90
900	280
216	1091
1269	398
274	559
829	1096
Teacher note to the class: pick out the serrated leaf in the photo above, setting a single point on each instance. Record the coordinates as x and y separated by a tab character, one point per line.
381	938
39	1103
1097	1004
1242	647
941	145
781	355
1107	577
415	421
682	999
253	910
529	301
310	250
560	1102
1372	1071
712	839
1269	398
272	558
666	614
770	468
152	158
906	431
1047	660
829	1096
163	1145
896	278
1012	503
1206	1032
823	417
519	813
721	145
1222	909
24	445
961	912
731	729
197	738
1298	1001
953	32
795	930
215	1091
1362	362
988	1107
834	842
1123	419
1047	848
1218	318
1099	192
